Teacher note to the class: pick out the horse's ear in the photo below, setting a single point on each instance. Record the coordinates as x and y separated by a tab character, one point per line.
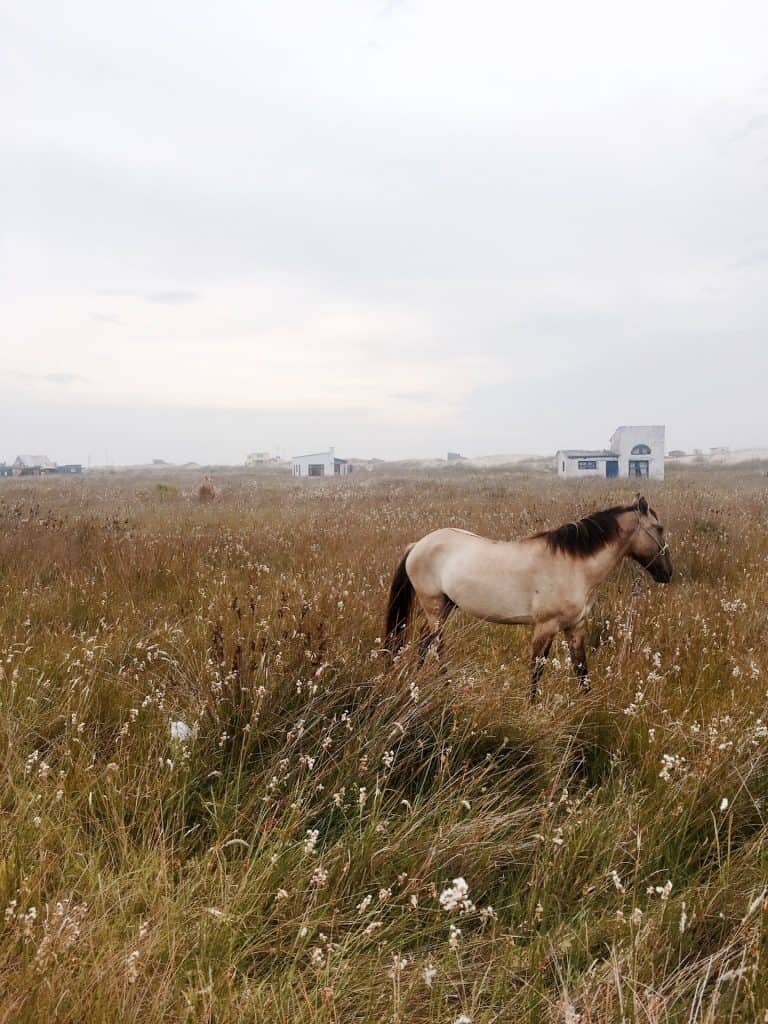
641	504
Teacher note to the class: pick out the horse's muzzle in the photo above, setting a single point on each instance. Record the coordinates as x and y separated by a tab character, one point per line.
660	572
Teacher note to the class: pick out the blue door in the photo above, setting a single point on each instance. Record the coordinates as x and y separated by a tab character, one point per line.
611	467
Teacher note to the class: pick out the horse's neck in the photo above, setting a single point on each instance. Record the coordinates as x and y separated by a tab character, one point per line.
601	565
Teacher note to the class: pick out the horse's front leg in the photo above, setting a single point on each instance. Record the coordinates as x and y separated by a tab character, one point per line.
578	652
543	635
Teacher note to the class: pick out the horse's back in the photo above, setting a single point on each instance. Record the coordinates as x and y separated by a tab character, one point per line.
489	579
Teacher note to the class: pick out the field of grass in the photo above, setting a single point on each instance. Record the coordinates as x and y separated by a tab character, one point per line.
326	838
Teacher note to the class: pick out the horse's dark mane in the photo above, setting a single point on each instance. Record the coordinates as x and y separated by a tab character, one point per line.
587	536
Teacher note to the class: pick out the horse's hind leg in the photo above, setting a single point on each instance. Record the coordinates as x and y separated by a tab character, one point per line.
543	635
436	610
578	652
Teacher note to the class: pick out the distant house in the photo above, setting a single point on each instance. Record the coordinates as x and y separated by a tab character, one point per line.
33	465
320	464
5	469
635	451
455	457
68	468
258	458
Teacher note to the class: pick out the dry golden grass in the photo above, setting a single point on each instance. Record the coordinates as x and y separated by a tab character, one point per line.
285	860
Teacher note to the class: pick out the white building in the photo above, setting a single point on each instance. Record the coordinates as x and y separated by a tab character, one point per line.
33	465
259	458
320	464
636	452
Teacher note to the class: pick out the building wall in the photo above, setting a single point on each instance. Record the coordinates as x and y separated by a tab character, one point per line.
300	464
256	458
568	469
624	439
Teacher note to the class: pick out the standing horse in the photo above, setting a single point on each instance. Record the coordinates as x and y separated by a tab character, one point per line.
548	581
206	491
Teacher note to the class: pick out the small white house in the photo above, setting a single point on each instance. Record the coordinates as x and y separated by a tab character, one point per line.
635	451
33	465
259	458
320	464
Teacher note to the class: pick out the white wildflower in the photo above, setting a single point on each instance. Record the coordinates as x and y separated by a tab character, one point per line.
456	897
570	1015
683	917
672	764
181	731
319	878
132	967
399	964
662	891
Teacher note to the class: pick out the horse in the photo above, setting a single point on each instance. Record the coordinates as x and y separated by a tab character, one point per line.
206	491
548	580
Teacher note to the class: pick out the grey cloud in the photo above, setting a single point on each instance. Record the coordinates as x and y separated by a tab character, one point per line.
59	379
172	298
754	124
415	396
754	259
64	378
550	209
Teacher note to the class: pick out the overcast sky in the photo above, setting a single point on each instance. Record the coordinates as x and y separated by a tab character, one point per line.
397	227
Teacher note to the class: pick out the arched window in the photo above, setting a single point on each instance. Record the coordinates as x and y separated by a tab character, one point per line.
641	449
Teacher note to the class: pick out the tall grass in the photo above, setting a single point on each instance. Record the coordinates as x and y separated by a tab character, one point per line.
290	851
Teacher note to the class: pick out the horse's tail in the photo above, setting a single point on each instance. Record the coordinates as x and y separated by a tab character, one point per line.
399	606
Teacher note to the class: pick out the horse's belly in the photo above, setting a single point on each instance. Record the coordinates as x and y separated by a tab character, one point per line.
481	598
